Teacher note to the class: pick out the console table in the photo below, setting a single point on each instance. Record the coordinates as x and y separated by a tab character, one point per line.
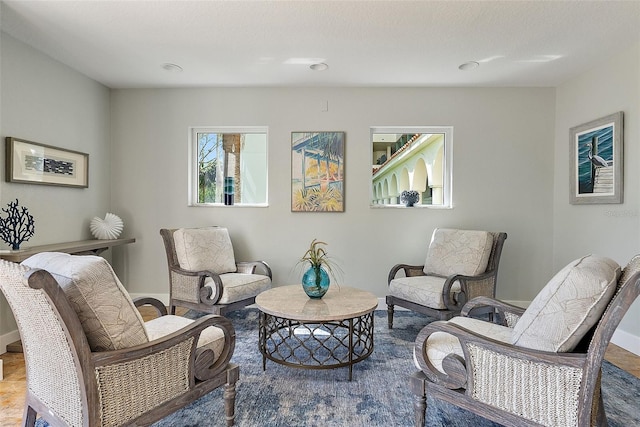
80	247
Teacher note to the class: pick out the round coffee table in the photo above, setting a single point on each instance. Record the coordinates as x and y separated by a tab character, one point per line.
331	332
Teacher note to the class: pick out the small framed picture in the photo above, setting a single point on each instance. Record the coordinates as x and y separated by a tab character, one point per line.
596	161
33	163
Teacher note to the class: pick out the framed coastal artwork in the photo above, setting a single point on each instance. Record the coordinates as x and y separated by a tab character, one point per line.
34	163
317	171
596	161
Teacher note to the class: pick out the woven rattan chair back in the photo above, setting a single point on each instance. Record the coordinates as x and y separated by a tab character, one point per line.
52	362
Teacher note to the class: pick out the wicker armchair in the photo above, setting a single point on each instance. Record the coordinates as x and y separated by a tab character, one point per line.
68	383
204	275
540	366
460	265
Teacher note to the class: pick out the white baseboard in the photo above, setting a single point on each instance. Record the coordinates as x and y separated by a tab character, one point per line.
7	339
627	341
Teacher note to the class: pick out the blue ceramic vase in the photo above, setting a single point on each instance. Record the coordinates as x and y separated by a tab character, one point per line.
315	282
409	198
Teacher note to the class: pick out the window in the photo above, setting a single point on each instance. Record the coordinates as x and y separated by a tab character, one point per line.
411	158
228	166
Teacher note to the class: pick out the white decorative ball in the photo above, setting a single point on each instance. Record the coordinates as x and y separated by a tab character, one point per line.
108	228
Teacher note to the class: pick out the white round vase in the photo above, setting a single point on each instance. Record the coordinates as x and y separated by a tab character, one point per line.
108	228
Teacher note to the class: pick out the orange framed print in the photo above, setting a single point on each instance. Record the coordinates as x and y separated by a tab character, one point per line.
317	171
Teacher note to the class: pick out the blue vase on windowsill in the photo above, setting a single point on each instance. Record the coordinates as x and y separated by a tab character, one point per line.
315	282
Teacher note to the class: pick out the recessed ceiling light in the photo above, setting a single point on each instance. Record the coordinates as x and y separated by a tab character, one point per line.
171	67
321	66
469	65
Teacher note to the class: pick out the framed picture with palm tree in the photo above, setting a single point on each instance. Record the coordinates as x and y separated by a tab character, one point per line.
596	161
317	171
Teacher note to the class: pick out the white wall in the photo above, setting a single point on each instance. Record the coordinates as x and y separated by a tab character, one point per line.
45	101
503	175
510	150
614	229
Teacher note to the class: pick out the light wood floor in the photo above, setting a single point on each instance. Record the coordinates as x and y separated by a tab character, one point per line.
13	387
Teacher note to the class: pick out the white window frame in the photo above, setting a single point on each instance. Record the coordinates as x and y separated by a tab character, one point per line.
193	168
447	195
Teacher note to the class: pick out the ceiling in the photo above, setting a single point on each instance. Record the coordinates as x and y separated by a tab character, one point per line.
124	44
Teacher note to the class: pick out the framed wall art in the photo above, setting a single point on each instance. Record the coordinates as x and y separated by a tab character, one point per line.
317	171
33	163
596	161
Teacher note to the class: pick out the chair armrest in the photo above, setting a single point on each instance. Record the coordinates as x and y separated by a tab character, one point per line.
161	309
544	385
254	267
207	295
409	271
188	334
471	287
504	314
460	374
158	371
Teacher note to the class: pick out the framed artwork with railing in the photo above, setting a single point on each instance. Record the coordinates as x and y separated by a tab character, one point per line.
596	161
317	171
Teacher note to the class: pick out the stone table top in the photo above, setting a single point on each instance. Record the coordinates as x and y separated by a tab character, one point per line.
339	303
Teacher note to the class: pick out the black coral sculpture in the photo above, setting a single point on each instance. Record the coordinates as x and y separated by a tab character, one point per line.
18	226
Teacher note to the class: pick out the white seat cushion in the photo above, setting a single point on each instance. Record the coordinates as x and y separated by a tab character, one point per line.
440	344
463	252
207	248
239	286
423	290
568	306
109	317
211	337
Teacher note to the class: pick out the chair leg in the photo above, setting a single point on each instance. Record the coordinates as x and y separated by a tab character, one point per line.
29	416
230	395
172	310
418	385
390	316
600	415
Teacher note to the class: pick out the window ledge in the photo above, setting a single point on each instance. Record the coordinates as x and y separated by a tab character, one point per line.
413	207
235	205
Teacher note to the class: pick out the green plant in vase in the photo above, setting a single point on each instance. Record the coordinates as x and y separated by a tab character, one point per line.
315	280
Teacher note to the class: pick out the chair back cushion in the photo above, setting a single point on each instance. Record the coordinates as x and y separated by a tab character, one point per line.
108	315
208	248
568	306
463	252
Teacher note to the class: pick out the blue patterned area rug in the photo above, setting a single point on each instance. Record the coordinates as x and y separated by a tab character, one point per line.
378	395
